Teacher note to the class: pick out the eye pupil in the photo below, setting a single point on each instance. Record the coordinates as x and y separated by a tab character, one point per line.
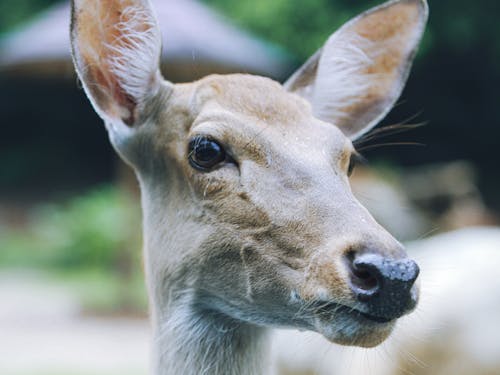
205	153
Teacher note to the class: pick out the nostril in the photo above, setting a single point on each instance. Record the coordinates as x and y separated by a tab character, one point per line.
383	284
364	278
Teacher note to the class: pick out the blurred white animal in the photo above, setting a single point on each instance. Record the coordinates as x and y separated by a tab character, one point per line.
455	330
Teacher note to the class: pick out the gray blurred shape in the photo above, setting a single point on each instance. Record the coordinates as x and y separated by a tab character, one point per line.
193	36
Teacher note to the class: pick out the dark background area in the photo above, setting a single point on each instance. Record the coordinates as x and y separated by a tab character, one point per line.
52	142
69	221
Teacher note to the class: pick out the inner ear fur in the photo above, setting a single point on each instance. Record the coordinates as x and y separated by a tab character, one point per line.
116	47
360	72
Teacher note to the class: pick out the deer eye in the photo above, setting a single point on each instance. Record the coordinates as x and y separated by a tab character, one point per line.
205	153
356	159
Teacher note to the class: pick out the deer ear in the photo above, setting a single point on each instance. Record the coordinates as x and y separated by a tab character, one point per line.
358	75
116	47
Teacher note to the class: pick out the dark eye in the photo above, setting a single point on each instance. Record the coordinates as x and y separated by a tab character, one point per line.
355	159
205	153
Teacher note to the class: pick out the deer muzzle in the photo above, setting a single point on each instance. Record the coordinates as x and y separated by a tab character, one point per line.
385	286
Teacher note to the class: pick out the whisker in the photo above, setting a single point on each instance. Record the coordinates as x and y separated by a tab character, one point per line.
387	131
389	144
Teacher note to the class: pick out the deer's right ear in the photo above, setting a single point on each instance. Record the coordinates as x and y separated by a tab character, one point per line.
116	47
358	75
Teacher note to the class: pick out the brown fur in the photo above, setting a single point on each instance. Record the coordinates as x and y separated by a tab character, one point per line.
260	241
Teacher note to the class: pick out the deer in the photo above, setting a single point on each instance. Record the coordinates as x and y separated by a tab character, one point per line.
249	222
439	337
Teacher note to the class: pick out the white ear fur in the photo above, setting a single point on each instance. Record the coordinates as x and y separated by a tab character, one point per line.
360	72
136	62
116	48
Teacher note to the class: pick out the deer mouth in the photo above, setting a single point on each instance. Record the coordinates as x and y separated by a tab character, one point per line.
348	325
335	310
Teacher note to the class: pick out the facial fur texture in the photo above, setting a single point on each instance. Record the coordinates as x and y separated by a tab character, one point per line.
261	239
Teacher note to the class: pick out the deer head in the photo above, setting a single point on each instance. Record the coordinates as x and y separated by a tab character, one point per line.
249	219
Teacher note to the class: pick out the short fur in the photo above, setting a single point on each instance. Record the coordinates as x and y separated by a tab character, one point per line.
262	240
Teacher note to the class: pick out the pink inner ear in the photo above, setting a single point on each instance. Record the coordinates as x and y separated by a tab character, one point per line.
117	103
108	34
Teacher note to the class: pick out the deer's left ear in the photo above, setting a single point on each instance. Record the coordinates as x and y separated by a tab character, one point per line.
358	75
116	47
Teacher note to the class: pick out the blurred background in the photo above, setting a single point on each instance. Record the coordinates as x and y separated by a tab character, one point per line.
71	284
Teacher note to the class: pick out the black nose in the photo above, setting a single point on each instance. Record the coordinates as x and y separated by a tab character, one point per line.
384	284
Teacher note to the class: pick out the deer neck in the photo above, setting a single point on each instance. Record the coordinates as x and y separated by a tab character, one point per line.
188	338
196	342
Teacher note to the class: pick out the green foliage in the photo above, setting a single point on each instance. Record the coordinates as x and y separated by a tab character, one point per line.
99	229
303	26
14	12
91	244
103	291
